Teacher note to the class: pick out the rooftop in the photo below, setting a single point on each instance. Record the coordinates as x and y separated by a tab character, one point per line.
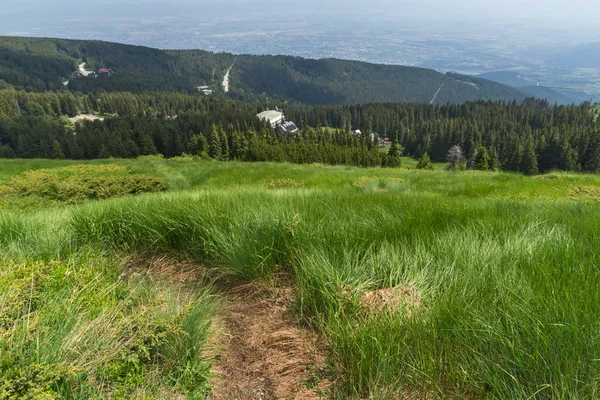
271	115
289	127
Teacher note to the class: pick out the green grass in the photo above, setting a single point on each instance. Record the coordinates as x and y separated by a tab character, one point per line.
504	268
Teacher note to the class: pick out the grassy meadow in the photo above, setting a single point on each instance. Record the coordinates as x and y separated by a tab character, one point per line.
493	278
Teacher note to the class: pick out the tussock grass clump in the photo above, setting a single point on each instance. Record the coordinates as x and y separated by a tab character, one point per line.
77	183
284	184
89	327
585	192
375	184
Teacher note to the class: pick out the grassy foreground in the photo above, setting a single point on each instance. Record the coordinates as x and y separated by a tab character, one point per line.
498	276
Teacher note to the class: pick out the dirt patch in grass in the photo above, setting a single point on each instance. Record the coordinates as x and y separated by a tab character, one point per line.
267	355
165	269
404	297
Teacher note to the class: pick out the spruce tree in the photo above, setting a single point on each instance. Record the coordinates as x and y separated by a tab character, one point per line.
529	163
393	157
224	145
57	152
481	161
197	144
425	162
214	148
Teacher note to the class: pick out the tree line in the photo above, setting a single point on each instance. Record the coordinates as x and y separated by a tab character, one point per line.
170	124
529	137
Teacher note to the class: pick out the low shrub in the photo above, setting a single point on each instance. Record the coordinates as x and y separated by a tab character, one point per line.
77	183
284	184
33	381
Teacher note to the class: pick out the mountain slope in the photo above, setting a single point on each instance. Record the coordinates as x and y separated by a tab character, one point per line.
44	64
510	78
332	81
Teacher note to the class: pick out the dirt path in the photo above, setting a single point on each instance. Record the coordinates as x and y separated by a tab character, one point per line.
83	71
438	92
226	80
267	356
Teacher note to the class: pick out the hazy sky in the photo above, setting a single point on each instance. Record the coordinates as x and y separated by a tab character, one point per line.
570	12
555	15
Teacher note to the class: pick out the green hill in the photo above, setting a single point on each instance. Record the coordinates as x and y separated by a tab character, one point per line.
47	64
44	64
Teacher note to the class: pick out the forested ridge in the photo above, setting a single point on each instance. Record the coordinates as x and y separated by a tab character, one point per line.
529	137
39	64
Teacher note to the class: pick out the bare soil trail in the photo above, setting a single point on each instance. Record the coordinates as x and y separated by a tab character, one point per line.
267	356
83	71
226	80
438	92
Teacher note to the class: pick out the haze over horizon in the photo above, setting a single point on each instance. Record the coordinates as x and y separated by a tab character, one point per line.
54	17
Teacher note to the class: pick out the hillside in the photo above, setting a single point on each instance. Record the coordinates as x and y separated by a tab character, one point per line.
45	64
216	287
510	78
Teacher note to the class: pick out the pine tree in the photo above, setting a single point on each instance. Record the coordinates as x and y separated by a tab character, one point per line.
57	152
481	160
393	157
425	162
197	145
529	163
7	152
224	145
214	148
494	160
593	164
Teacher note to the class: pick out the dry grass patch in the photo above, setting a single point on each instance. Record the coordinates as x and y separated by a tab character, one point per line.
585	192
404	297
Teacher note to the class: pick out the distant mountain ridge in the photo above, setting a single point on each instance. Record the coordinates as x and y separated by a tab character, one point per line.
531	87
50	64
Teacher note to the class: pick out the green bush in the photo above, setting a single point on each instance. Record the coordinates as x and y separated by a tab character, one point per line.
32	381
77	183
